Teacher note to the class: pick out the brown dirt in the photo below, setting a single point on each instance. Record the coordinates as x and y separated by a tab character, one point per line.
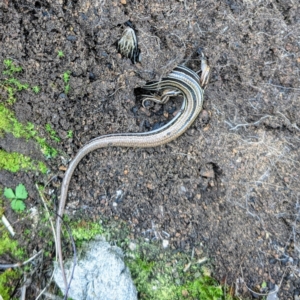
230	184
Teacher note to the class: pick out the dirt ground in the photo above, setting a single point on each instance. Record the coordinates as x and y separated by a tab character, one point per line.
230	184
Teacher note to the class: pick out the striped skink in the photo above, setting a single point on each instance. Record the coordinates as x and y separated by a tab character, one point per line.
181	81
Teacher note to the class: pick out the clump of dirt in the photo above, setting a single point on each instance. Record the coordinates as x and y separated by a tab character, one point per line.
230	184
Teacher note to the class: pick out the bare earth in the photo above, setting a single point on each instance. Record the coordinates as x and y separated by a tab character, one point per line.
230	185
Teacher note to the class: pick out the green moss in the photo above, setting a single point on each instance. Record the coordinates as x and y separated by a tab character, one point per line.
8	277
52	132
66	79
36	89
8	121
10	67
85	231
204	288
15	162
8	280
60	54
9	124
164	280
7	245
163	275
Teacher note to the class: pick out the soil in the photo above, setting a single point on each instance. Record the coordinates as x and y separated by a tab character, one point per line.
230	184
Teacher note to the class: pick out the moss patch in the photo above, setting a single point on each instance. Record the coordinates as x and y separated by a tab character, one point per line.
7	282
15	162
85	231
164	278
7	245
9	124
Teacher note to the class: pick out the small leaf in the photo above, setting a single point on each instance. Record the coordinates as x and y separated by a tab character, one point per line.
21	192
8	193
17	205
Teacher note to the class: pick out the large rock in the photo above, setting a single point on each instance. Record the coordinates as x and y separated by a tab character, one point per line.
100	273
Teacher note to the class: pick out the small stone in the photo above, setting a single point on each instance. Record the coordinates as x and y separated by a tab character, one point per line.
92	76
134	109
272	260
165	243
132	246
145	111
72	38
150	186
183	189
198	196
185	293
207	173
123	2
204	116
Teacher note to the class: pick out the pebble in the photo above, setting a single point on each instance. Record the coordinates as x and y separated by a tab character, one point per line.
92	76
272	260
132	246
72	38
207	173
165	244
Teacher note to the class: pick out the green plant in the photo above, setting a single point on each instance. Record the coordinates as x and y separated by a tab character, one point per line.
70	133
17	84
66	79
52	132
60	54
7	245
163	276
9	124
13	162
11	85
10	67
17	198
9	278
8	281
204	288
36	89
47	150
67	89
85	231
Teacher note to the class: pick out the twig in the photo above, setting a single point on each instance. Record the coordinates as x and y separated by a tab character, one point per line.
16	265
48	215
7	225
246	124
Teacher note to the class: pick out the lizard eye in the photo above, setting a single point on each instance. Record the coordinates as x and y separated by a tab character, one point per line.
128	45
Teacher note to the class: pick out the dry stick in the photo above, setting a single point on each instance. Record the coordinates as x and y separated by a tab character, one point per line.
55	240
23	292
246	124
16	265
74	258
8	225
48	215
